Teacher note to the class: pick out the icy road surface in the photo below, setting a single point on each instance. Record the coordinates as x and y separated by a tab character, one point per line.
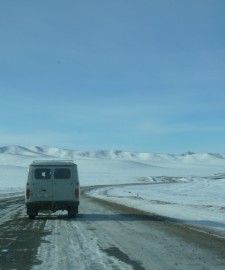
103	236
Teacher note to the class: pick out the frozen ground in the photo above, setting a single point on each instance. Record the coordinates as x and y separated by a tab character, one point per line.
189	187
198	201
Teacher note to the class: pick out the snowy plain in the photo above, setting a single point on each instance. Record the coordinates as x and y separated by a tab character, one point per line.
188	187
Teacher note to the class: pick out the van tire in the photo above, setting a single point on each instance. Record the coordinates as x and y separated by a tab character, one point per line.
31	212
72	212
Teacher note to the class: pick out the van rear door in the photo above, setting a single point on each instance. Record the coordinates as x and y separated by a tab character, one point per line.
63	184
42	183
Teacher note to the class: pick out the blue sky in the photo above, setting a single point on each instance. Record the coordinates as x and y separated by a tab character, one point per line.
146	75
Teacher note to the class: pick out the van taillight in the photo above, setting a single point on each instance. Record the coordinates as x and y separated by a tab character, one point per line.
77	193
27	193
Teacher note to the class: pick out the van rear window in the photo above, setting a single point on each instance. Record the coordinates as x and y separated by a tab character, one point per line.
62	173
43	173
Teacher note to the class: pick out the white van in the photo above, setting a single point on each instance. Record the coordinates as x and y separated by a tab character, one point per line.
52	185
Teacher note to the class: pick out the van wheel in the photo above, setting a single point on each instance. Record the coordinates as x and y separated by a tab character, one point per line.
72	212
31	212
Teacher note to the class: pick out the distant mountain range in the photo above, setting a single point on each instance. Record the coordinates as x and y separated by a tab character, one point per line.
51	152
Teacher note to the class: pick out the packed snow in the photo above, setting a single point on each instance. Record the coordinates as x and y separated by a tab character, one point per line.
188	187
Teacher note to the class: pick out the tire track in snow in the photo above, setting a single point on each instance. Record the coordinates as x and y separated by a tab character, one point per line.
72	244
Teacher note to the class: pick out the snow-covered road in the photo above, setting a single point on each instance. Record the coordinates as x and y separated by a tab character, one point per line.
103	236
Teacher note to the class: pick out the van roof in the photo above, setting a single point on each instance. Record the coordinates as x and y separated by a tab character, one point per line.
52	163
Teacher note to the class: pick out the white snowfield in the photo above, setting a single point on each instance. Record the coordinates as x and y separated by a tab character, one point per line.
189	187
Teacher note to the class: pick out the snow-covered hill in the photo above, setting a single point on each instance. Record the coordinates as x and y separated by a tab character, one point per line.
58	153
50	152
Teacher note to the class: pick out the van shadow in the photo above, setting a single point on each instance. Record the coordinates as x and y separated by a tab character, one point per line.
147	217
103	217
120	217
129	217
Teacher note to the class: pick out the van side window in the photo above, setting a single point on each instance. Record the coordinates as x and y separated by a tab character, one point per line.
43	173
62	173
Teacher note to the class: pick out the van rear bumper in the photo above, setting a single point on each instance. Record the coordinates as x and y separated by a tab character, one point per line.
51	205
